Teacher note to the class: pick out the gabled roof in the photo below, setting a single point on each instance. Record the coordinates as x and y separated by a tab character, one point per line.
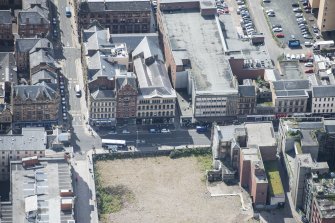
133	39
40	56
34	15
152	76
115	5
98	65
122	80
8	69
25	44
95	38
148	48
40	91
43	75
103	94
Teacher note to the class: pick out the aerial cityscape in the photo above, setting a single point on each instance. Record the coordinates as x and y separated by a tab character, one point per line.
167	111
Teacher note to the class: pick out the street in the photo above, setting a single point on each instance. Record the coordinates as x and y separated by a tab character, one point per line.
146	140
68	54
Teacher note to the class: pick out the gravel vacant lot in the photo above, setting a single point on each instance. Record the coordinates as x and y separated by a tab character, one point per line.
166	190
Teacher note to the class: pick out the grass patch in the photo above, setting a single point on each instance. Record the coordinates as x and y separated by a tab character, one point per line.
205	162
272	172
111	199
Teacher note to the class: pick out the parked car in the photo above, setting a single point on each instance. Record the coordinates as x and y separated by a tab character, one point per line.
309	71
299	15
125	131
280	35
271	14
288	56
295	5
308	36
266	1
297	10
309	64
276	26
277	29
165	131
54	21
308	44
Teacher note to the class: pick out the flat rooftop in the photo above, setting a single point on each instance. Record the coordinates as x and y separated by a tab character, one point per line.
46	182
272	172
200	37
30	139
260	134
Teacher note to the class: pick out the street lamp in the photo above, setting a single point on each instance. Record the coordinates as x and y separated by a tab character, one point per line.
136	139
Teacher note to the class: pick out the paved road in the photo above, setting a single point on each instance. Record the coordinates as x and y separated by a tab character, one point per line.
174	138
67	52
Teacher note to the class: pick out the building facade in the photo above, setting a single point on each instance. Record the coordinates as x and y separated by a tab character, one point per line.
35	104
326	15
102	108
33	22
323	99
6	30
32	142
126	98
118	16
290	96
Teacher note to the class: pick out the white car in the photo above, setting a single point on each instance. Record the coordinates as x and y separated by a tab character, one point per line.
270	11
299	15
125	131
277	29
165	131
288	56
309	64
293	57
308	44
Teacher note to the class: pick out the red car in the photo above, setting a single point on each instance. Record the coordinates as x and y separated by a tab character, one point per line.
280	35
309	71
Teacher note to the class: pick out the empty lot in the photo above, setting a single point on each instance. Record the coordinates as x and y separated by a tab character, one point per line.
166	190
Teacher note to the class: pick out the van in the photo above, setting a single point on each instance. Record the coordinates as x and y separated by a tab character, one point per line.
68	12
78	91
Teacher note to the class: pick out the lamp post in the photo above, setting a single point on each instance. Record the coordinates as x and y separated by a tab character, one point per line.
136	139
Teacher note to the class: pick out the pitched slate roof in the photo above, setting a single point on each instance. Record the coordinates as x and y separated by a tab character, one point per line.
115	5
34	15
103	94
133	39
40	91
323	91
40	56
25	44
43	75
5	17
148	48
8	69
122	80
152	76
